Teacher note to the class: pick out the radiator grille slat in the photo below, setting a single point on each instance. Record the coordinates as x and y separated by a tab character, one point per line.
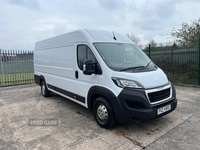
158	96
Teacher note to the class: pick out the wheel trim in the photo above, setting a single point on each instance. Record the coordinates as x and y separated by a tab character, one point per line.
102	113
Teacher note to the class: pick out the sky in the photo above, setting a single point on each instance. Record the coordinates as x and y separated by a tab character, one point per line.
24	22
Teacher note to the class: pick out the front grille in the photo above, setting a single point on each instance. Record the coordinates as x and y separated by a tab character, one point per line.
158	96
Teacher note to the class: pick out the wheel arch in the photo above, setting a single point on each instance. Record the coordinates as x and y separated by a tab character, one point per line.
98	91
39	79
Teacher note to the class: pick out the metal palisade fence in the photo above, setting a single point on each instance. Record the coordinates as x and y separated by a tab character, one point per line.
16	67
181	64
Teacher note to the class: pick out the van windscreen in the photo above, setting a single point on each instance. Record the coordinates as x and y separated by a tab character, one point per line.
121	57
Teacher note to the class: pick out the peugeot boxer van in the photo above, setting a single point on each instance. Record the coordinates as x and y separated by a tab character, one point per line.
105	72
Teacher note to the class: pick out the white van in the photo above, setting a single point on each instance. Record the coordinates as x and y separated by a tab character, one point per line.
105	72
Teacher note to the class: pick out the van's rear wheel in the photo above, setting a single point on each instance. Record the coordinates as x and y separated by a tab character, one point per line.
103	113
45	92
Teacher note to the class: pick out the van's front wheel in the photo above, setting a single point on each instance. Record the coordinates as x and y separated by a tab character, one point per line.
45	92
103	113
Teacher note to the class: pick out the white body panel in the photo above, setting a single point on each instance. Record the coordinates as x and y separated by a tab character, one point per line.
56	60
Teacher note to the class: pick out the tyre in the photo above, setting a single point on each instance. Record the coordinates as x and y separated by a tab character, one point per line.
45	92
103	113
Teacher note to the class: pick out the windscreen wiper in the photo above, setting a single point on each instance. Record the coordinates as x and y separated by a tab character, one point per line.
147	65
130	68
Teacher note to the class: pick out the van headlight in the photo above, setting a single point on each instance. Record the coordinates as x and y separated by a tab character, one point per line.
126	83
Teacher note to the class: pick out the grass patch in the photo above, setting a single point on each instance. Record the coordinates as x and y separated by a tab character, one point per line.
15	79
182	78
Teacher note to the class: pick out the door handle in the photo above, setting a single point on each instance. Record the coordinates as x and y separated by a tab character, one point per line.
76	74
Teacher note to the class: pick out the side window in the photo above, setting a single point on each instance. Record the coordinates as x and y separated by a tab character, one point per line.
83	53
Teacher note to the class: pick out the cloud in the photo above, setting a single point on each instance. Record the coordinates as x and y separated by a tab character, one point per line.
155	14
157	18
21	24
112	5
32	4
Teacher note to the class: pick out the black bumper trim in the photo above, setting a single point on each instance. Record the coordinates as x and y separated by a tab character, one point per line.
137	109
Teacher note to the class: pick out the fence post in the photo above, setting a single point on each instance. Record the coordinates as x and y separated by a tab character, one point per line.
199	65
1	61
149	50
172	63
1	68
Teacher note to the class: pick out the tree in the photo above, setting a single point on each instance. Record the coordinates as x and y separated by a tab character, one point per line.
152	43
174	46
134	38
153	46
188	34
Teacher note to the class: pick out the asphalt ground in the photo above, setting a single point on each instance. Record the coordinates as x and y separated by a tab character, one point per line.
30	121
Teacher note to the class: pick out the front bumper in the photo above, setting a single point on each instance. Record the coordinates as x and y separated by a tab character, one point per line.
136	108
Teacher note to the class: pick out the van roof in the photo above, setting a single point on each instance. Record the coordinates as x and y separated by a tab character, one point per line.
107	36
82	35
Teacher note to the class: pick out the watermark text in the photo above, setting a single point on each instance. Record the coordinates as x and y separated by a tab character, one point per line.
44	122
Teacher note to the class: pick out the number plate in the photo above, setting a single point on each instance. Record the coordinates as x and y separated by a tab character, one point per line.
163	109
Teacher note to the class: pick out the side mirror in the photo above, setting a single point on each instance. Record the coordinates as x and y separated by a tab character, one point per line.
89	67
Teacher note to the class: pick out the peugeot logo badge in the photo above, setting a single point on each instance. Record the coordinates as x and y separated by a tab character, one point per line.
157	81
